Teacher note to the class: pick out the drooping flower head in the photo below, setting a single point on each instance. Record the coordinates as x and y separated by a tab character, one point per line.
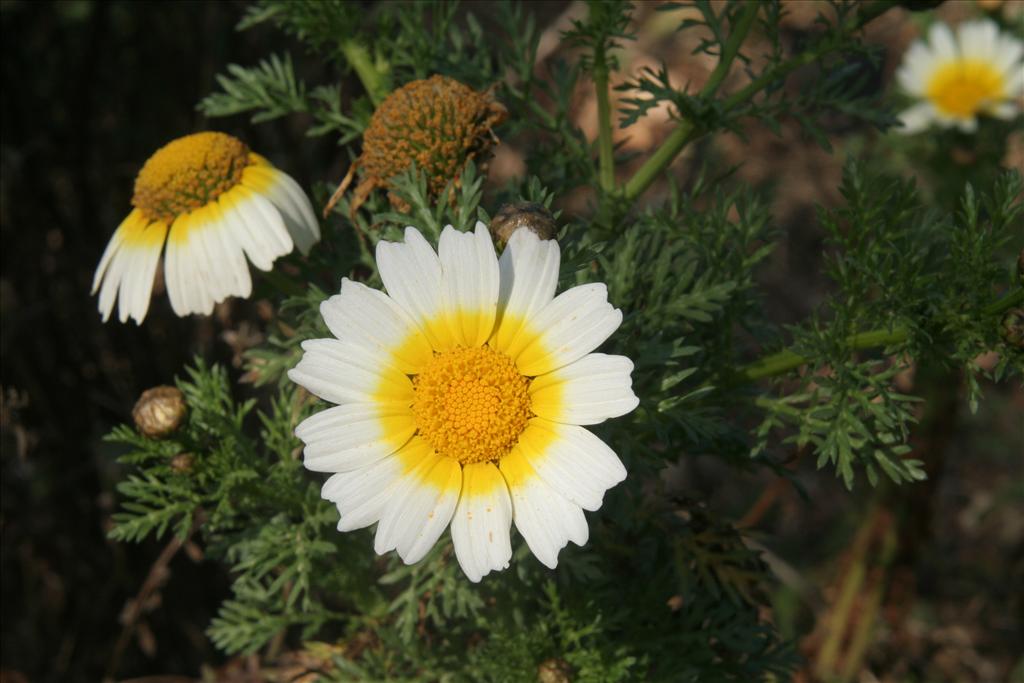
462	396
437	123
958	77
214	203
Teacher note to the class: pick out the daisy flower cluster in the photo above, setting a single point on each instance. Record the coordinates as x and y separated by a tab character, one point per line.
462	397
960	76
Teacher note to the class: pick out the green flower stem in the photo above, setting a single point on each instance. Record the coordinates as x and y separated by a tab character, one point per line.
687	131
606	161
373	76
784	361
731	49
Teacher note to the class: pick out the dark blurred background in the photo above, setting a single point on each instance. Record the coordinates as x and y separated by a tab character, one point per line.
91	89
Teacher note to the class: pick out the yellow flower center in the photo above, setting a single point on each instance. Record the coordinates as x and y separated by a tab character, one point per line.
471	404
964	87
189	173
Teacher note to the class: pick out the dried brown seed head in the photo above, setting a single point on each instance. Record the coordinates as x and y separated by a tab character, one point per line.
436	123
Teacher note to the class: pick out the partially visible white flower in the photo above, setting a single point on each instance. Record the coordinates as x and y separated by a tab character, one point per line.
462	397
214	203
977	70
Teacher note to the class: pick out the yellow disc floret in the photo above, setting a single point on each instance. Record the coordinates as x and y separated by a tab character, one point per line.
189	173
471	404
965	87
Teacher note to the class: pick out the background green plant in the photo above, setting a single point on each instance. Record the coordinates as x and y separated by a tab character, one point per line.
664	590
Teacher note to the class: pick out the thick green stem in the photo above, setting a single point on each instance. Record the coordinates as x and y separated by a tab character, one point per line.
372	76
784	361
606	161
686	131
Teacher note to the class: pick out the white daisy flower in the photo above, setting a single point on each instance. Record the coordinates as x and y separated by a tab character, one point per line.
214	203
461	397
958	76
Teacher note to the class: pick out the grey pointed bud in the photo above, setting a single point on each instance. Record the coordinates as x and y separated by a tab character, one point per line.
554	671
511	217
159	412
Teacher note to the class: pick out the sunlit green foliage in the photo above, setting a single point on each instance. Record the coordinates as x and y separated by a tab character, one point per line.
663	590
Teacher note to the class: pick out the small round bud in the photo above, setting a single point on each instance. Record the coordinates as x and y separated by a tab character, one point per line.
511	217
1013	327
554	671
159	411
182	463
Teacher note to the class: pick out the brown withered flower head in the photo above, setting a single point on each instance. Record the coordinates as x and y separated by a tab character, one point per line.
437	123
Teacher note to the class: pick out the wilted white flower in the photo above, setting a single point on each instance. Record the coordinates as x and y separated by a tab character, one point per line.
214	203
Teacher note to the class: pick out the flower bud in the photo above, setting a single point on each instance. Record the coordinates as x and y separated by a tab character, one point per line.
554	671
1013	327
159	411
182	463
511	217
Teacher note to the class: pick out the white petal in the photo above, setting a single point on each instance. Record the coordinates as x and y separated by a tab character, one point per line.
341	372
353	436
182	282
413	277
575	323
942	42
587	392
529	275
203	249
230	255
1007	58
470	270
1005	111
112	246
365	316
201	284
257	224
546	520
978	39
286	195
361	495
131	255
482	521
172	279
967	125
422	504
145	272
914	73
917	118
571	460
